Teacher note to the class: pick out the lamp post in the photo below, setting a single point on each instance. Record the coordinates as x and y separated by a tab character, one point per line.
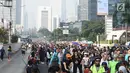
2	20
9	4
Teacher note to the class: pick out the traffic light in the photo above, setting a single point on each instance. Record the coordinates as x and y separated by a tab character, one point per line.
10	24
2	20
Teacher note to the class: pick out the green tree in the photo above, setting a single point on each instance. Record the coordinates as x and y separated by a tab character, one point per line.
3	35
45	32
14	38
91	28
126	14
57	34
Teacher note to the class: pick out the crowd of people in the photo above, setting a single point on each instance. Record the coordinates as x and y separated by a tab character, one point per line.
65	58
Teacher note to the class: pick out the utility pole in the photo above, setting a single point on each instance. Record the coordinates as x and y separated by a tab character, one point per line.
9	4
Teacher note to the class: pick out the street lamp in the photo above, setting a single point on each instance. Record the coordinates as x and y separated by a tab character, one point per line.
9	4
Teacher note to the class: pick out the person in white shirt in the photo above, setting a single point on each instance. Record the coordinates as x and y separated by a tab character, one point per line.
104	58
85	60
48	56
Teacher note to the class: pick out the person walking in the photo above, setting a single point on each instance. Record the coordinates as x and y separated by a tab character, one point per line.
76	58
55	64
9	53
2	53
42	55
96	67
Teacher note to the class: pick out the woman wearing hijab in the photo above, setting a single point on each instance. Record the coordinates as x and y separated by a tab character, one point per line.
122	69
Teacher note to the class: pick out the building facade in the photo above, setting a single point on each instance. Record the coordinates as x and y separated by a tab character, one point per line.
87	10
5	12
55	23
18	11
83	10
44	17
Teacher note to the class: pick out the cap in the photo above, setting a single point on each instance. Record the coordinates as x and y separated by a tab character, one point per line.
86	53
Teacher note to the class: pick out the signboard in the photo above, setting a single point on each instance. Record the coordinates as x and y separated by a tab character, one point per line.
121	7
65	26
102	7
65	31
108	24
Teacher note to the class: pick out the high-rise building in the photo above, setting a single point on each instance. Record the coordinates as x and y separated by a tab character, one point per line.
25	21
87	10
18	11
45	17
83	10
71	10
56	7
5	12
55	23
63	11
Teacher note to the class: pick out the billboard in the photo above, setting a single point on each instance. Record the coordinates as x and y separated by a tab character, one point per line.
108	24
102	7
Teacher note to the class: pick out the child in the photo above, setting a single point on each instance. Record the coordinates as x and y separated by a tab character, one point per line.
107	70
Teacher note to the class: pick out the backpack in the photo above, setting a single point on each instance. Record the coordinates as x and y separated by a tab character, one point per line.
55	61
35	68
55	58
9	49
29	69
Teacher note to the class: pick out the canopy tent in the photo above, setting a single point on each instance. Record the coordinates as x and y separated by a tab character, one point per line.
118	34
75	43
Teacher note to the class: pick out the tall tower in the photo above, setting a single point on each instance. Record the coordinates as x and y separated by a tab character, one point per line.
44	17
63	11
23	14
83	10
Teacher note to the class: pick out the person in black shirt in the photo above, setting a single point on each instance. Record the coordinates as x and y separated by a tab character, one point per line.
67	64
2	53
76	58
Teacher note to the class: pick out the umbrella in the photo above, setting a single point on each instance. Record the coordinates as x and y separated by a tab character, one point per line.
90	42
75	43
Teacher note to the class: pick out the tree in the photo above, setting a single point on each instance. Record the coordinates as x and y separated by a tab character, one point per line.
74	31
126	14
14	38
91	28
57	34
45	32
3	35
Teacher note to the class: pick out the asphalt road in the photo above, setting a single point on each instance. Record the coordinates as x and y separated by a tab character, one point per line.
43	68
16	64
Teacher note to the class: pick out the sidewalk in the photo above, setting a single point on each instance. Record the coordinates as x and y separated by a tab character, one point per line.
15	47
17	64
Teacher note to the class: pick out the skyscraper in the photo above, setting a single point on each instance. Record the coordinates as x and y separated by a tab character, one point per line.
56	7
18	11
55	22
87	10
63	11
45	17
71	10
5	12
83	10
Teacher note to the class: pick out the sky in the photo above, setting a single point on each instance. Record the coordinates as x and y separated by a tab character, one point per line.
31	7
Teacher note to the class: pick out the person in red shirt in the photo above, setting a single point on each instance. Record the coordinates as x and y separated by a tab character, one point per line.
87	70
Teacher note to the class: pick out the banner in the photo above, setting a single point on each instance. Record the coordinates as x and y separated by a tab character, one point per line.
102	7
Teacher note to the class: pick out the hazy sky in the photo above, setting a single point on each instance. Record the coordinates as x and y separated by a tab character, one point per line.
32	5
